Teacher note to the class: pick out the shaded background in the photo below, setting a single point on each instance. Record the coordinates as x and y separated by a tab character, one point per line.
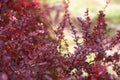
78	7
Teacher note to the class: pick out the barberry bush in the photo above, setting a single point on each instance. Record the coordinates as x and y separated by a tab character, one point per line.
31	50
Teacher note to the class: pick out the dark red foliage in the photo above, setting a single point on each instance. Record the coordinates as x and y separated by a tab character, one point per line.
30	49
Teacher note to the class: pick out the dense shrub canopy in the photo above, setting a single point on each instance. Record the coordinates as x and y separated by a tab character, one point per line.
31	50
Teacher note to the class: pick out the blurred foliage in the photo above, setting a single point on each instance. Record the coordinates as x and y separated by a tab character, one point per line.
77	8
